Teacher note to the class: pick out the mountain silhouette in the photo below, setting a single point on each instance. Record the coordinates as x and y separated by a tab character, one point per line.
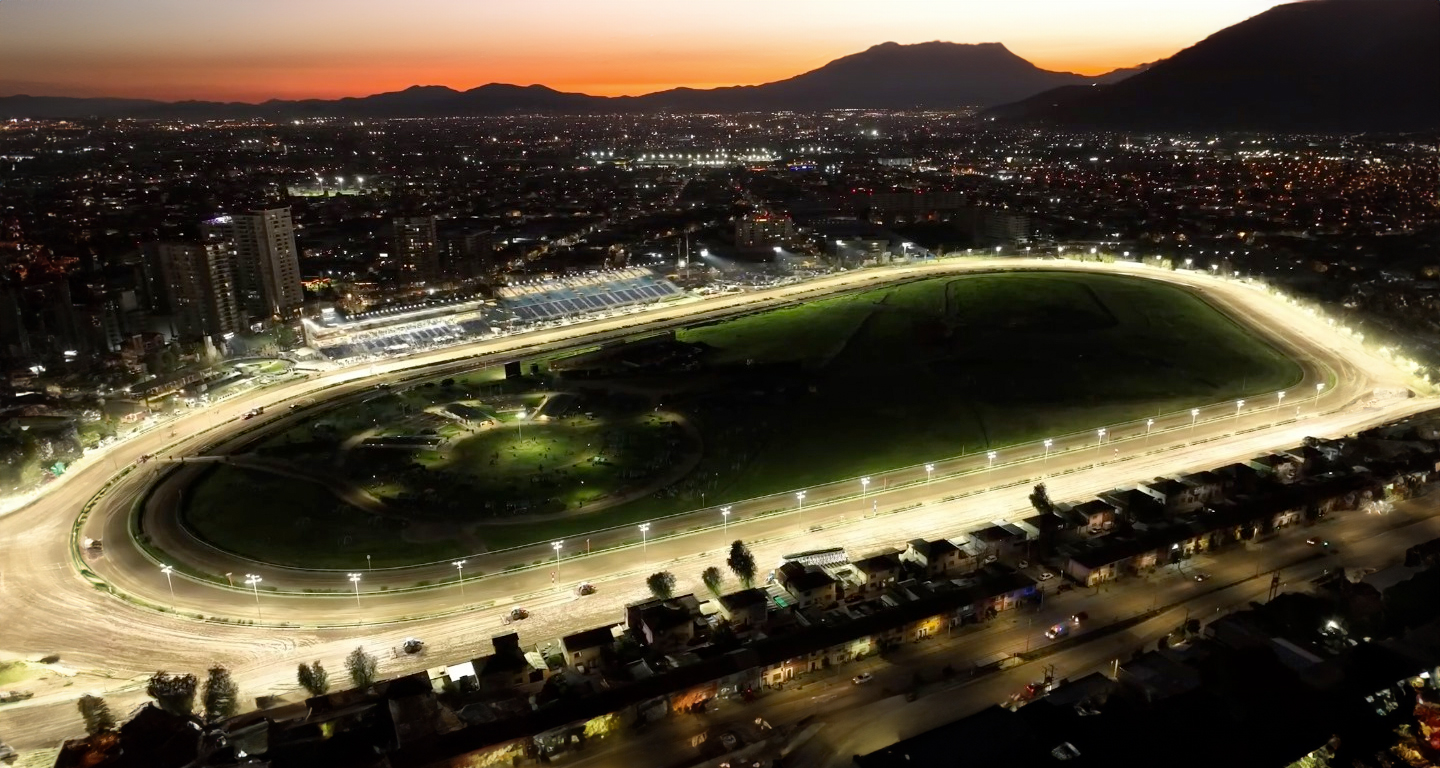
934	75
1319	65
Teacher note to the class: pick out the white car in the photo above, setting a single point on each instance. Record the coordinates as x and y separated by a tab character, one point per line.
863	677
1046	575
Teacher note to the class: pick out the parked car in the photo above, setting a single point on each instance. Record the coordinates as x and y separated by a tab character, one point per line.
990	559
1046	575
1064	587
8	754
1024	564
863	677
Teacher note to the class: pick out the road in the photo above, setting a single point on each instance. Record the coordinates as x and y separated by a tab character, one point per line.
862	718
112	644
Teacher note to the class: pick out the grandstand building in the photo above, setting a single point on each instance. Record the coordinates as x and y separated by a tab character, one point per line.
556	298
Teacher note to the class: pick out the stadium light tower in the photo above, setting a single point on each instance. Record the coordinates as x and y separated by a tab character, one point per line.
254	582
167	570
556	545
644	537
800	505
1046	461
460	577
725	520
355	579
929	472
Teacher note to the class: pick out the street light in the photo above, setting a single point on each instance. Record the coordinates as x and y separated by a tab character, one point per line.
460	577
167	570
355	579
1238	405
556	545
1099	441
1279	400
1318	389
864	486
725	521
1046	462
990	459
254	582
1194	414
520	423
929	471
1148	424
644	529
800	505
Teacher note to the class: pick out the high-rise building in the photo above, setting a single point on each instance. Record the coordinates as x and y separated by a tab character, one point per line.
201	286
760	229
416	249
267	262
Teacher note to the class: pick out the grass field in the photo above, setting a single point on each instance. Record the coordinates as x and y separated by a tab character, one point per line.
837	388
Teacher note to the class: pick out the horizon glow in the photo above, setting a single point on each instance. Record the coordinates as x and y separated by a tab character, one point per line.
252	50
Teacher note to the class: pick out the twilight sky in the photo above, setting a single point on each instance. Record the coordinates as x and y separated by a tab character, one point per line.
251	50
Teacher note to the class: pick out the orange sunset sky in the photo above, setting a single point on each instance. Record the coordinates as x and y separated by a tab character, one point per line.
251	50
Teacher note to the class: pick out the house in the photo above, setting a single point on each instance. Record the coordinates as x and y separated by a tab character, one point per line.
744	610
665	624
1205	487
877	572
808	585
583	650
1172	494
1097	514
1284	468
1239	478
505	669
1134	503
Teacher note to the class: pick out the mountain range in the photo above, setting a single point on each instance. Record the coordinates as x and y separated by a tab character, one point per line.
1319	65
1315	65
934	75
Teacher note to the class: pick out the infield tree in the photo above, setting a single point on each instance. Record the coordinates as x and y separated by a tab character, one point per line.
742	563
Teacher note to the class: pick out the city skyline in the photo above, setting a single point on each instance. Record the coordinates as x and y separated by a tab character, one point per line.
163	49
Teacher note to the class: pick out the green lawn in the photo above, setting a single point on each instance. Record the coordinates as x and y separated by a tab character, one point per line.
846	386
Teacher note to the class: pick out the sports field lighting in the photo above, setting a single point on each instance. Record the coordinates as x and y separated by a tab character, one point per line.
254	582
460	576
644	537
1238	405
167	570
990	459
1046	461
520	422
1148	424
929	472
355	579
1194	415
1279	399
800	505
556	545
1318	389
1099	441
725	520
864	486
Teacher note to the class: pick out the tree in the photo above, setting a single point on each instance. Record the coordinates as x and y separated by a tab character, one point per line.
96	714
1040	500
713	579
742	563
662	584
222	695
362	667
313	678
174	693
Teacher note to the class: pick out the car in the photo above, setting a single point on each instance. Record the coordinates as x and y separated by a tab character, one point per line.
412	645
863	677
1202	576
1024	564
517	614
1046	575
1056	632
1079	617
1313	540
990	559
584	588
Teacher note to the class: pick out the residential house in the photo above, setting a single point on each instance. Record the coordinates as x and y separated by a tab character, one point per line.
744	610
583	650
808	585
505	669
877	572
665	624
1096	515
937	558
